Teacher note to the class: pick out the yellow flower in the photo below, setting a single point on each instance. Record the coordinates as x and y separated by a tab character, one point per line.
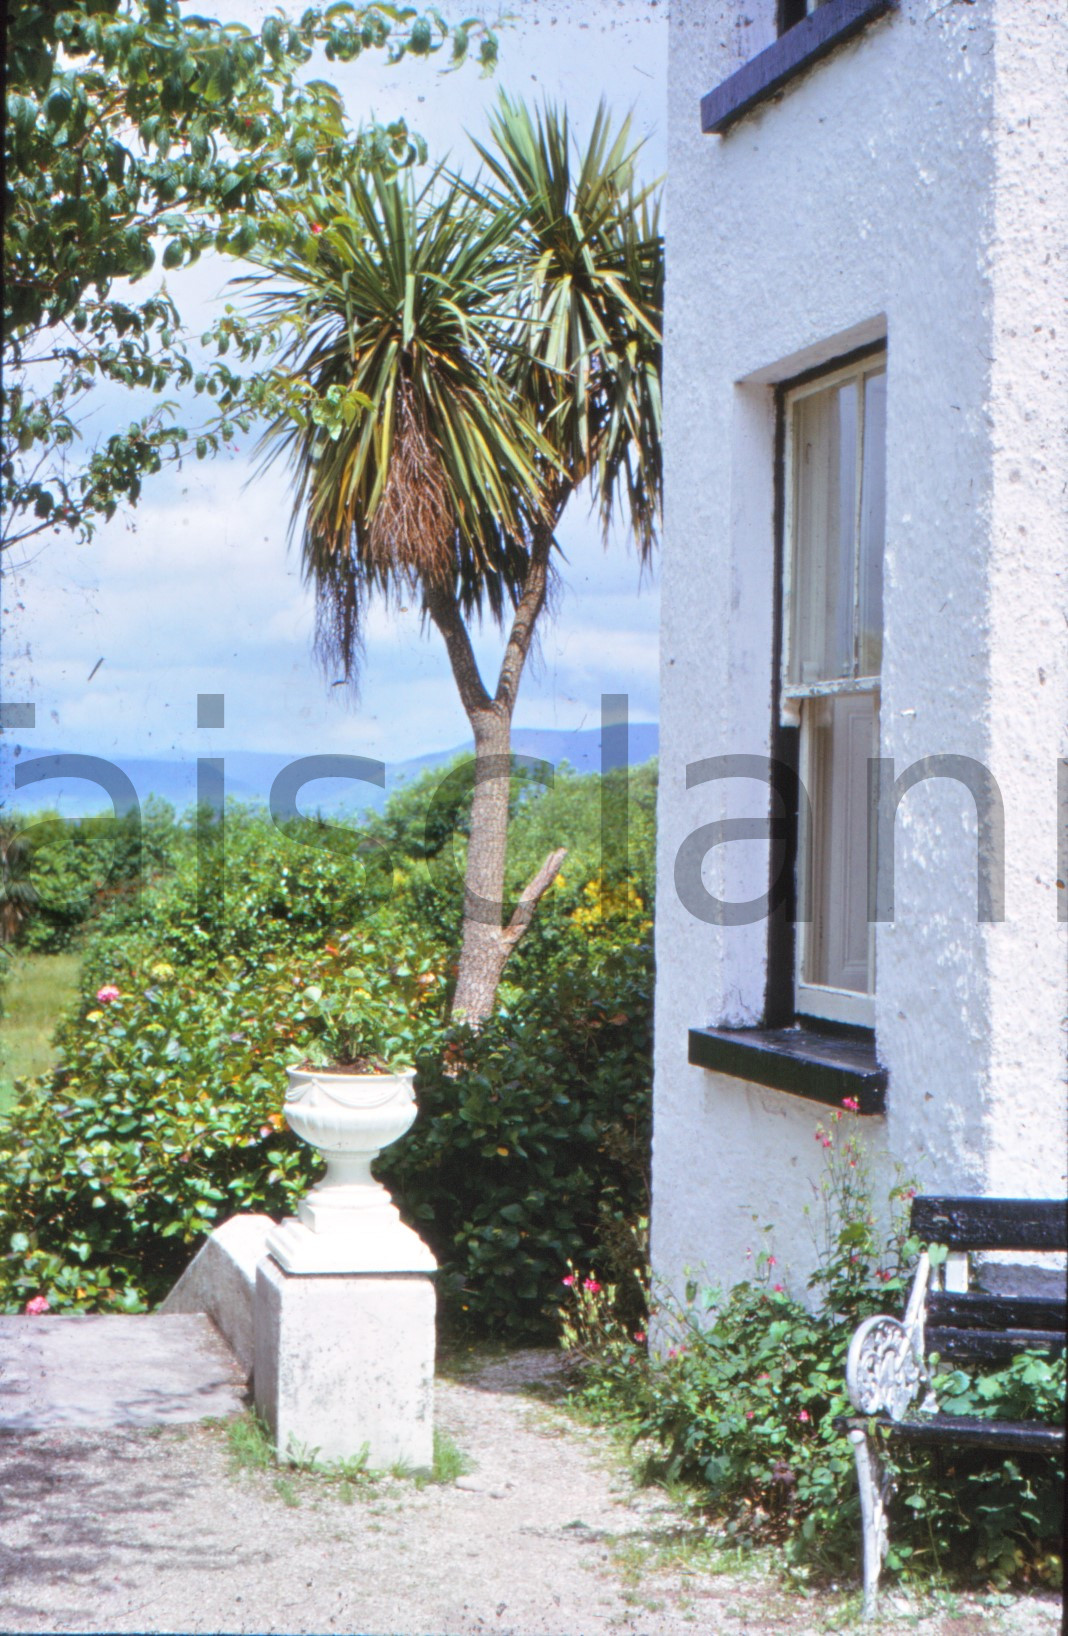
93	1016
602	903
161	971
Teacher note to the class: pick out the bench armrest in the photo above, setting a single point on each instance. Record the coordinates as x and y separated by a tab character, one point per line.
884	1373
885	1369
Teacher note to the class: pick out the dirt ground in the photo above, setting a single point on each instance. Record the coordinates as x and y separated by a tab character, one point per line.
157	1531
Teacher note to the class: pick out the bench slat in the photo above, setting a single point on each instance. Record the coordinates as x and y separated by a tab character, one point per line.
977	1310
991	1224
992	1343
1012	1436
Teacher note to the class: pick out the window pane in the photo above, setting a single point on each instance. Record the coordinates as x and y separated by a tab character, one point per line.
841	735
872	527
825	456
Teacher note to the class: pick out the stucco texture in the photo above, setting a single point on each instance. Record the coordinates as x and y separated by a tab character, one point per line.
909	186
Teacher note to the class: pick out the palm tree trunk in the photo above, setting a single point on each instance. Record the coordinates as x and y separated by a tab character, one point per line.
484	952
487	941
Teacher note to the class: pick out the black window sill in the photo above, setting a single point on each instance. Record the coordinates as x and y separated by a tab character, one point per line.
822	1067
794	51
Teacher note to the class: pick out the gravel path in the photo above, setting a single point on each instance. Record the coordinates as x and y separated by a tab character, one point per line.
141	1531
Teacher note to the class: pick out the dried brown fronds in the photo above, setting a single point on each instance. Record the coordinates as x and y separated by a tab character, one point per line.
413	529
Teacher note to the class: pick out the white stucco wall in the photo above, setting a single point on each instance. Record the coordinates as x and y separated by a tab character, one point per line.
907	186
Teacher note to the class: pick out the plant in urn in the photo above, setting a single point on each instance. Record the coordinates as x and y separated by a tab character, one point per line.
349	1100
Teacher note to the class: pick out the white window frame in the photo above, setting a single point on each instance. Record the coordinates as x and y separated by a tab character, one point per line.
811	999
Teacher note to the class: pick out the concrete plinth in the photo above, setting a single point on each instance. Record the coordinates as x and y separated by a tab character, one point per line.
345	1363
221	1281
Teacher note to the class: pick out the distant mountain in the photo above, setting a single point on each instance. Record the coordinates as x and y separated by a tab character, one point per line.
249	774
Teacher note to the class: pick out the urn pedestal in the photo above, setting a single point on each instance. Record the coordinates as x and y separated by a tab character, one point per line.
348	1222
344	1300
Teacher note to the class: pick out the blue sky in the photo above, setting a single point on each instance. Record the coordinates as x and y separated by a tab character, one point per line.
195	590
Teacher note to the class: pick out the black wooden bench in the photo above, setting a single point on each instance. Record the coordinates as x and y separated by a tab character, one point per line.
886	1371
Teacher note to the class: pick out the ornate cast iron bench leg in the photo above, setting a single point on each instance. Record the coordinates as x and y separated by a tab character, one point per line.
884	1374
875	1487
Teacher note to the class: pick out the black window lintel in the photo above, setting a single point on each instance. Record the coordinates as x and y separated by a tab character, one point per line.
820	32
822	1067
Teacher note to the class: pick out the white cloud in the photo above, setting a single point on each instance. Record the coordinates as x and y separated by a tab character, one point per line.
196	591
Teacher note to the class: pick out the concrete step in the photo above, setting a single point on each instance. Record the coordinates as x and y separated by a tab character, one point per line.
108	1369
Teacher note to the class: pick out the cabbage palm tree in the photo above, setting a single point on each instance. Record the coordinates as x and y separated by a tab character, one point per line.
475	353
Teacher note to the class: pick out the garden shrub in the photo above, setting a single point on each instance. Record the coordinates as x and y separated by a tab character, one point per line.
743	1400
76	867
164	1116
533	1139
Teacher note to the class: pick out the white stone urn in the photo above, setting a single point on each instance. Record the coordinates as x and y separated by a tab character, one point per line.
348	1222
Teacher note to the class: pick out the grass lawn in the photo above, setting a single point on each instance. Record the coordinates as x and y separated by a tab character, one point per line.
38	990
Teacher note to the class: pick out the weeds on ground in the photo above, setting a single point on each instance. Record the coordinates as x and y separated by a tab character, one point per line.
249	1443
286	1492
450	1461
684	1550
251	1449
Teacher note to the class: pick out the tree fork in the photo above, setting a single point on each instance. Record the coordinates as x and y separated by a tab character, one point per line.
487	942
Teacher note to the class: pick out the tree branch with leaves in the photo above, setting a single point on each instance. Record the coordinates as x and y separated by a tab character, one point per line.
136	134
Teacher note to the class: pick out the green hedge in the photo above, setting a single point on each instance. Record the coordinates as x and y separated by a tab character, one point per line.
76	867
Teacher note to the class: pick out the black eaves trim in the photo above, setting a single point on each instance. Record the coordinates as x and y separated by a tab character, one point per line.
820	1067
798	48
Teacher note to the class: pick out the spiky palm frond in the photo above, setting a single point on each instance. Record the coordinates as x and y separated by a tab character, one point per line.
428	469
586	347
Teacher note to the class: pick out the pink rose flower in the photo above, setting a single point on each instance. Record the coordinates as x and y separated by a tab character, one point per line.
851	1103
804	1415
639	1336
749	1413
568	1281
592	1285
36	1306
108	993
779	1289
